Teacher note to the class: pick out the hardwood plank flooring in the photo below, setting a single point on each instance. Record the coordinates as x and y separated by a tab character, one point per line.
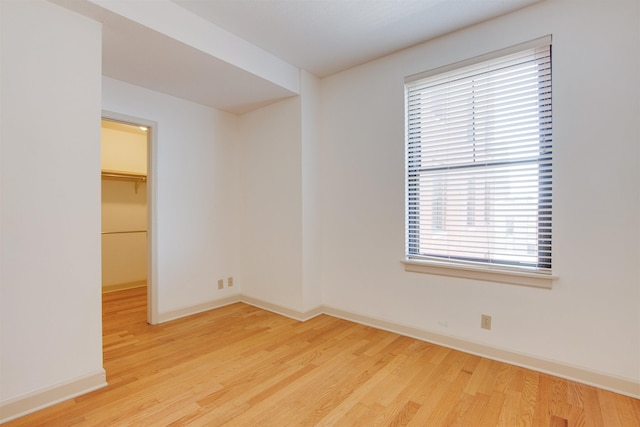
243	366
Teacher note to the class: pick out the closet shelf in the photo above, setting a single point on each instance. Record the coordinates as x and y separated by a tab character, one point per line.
134	177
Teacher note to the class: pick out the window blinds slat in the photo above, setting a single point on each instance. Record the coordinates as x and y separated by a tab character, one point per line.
479	177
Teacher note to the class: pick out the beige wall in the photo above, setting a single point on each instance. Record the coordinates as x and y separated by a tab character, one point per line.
124	207
124	254
124	148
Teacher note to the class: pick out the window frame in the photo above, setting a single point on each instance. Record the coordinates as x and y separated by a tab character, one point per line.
537	277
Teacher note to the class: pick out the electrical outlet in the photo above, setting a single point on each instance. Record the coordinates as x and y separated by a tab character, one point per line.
485	321
230	281
220	284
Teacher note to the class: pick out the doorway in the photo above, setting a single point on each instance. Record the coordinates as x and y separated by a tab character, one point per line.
127	206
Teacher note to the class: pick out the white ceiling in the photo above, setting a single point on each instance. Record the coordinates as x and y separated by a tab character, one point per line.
320	36
138	55
328	36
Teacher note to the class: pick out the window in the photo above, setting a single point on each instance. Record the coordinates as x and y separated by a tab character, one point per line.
479	157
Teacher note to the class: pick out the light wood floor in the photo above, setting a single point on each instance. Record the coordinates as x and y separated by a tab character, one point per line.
243	366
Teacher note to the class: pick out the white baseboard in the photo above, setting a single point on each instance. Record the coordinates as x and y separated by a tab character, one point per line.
122	286
601	380
278	309
625	386
194	309
302	316
31	402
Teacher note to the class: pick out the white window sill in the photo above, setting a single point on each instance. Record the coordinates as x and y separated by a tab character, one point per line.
523	278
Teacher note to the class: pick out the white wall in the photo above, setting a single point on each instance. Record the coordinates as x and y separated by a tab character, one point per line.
591	317
196	193
270	168
50	309
311	221
303	202
279	171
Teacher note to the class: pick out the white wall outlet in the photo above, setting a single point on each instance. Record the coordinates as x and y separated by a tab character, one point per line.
220	284
229	281
485	321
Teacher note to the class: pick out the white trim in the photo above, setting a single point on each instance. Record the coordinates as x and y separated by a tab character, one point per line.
123	286
195	309
301	316
32	402
513	277
625	386
541	41
40	399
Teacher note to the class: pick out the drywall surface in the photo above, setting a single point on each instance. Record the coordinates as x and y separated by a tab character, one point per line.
193	177
591	317
123	151
50	306
124	232
279	175
270	166
124	205
311	224
168	18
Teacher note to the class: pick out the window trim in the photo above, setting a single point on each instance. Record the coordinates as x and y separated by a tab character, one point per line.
545	40
478	271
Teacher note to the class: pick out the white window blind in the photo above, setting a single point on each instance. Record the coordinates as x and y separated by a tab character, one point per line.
479	157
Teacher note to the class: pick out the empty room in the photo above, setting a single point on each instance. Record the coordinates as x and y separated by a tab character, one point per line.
348	212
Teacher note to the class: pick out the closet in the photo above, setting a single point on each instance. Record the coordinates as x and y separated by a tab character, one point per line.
124	206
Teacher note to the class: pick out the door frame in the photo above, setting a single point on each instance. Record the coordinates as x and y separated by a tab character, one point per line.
152	213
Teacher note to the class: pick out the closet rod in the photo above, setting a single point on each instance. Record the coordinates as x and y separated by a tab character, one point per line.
124	232
124	176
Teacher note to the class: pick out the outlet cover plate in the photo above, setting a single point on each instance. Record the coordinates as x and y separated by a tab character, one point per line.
485	322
